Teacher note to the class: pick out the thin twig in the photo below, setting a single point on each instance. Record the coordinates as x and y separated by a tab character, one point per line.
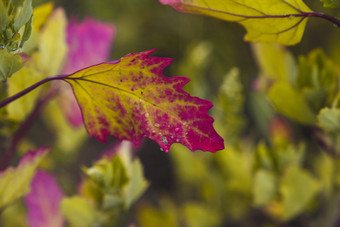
24	127
29	89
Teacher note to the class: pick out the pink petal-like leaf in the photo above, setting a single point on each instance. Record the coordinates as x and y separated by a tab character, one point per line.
131	99
89	43
43	202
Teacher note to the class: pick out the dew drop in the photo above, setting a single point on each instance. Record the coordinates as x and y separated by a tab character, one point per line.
2	46
171	137
177	140
157	125
165	141
153	132
176	129
186	133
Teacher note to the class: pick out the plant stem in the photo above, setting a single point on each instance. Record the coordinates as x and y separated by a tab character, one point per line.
334	20
23	128
27	90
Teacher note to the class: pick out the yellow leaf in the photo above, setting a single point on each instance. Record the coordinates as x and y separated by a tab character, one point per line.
52	44
279	21
15	182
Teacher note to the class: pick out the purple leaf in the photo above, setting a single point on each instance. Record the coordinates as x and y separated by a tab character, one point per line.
43	202
89	43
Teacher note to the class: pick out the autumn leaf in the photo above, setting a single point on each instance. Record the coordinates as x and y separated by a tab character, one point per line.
131	99
279	21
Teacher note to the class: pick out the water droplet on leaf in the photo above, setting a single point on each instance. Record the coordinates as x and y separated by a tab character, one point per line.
165	141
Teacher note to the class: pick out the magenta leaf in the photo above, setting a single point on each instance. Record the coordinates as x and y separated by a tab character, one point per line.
131	99
43	202
89	43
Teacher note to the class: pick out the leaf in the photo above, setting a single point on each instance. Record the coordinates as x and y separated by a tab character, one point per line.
47	61
52	44
329	119
4	18
279	21
9	64
298	188
131	100
316	79
89	43
331	3
25	15
43	201
265	187
137	183
228	111
275	61
290	103
19	109
15	181
116	180
78	211
199	215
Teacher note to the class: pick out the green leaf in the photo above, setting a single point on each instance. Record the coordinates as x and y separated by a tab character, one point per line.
279	21
25	15
15	181
228	111
199	215
19	109
4	18
78	211
17	210
290	103
137	183
329	119
316	79
298	188
9	64
52	44
331	3
118	181
165	215
265	187
275	61
262	111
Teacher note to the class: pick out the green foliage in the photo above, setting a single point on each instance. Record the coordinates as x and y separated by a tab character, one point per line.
290	103
78	211
14	17
331	3
280	120
15	182
329	120
298	188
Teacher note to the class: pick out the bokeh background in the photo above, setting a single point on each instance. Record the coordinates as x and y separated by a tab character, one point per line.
206	189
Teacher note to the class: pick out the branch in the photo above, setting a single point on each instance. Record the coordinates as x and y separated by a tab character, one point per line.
29	89
334	20
24	127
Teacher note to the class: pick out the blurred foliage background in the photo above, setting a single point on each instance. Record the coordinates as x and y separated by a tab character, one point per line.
278	169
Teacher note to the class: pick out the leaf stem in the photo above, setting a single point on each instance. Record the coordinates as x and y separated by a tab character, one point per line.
29	89
24	127
334	20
